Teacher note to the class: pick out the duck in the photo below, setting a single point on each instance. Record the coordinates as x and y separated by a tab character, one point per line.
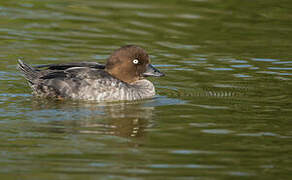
122	78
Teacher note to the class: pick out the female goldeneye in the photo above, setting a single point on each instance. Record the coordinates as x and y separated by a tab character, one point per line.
122	78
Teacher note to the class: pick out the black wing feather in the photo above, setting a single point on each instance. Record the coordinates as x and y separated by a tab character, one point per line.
56	74
65	66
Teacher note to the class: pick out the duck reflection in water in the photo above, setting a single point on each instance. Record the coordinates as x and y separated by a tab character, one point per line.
125	119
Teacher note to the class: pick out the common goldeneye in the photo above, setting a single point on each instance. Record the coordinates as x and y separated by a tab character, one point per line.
121	78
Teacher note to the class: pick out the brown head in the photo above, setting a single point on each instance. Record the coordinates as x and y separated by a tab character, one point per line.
130	63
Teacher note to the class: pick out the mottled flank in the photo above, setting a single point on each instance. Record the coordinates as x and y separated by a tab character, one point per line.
91	81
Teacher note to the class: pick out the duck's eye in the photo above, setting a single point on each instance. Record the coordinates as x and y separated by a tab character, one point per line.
135	61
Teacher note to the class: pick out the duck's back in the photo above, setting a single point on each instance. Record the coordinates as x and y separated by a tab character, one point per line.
72	82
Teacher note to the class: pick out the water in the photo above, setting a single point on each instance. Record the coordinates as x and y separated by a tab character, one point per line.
222	112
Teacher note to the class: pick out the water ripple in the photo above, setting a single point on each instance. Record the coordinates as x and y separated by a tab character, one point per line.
192	166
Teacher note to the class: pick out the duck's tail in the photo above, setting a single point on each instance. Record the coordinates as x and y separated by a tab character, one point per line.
30	73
